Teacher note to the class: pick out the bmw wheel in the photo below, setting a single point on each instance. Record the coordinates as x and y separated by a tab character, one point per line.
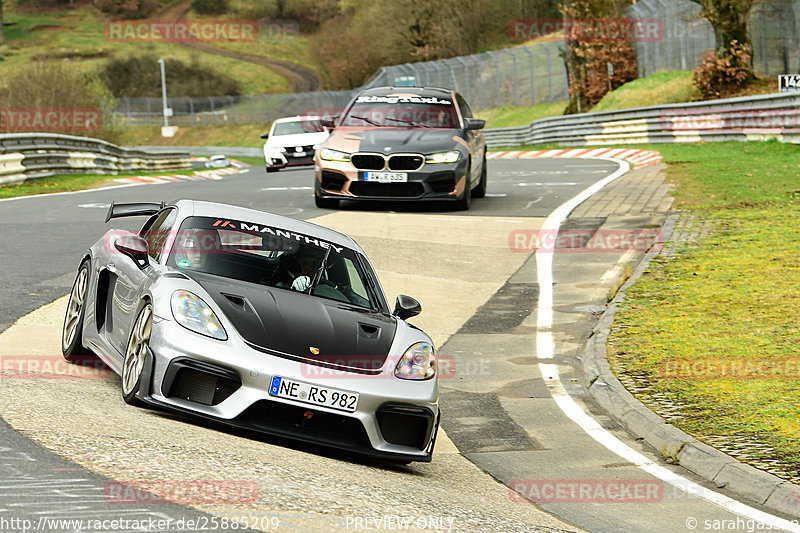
72	333
480	190
463	203
136	354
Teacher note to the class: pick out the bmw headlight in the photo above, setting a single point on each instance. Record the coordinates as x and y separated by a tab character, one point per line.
419	362
443	157
334	155
191	312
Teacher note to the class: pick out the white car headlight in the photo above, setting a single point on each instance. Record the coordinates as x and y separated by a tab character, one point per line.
443	157
191	312
334	155
419	362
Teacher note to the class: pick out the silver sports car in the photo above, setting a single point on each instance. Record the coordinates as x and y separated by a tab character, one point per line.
257	321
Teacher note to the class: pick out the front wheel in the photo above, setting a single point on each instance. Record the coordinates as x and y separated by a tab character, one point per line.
462	204
136	354
480	189
72	332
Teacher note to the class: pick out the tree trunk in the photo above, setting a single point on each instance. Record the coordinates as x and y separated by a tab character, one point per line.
729	18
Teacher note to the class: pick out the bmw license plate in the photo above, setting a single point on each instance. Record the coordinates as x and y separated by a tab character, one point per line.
313	394
386	177
298	154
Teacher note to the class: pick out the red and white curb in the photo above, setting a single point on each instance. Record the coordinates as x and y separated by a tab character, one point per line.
215	174
639	158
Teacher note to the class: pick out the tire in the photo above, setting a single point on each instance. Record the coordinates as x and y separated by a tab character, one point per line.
135	354
72	331
462	204
326	203
480	189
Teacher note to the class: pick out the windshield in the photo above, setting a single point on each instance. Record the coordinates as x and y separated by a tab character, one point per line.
401	112
274	257
297	127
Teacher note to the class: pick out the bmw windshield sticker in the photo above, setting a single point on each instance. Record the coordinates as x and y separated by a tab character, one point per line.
401	100
275	232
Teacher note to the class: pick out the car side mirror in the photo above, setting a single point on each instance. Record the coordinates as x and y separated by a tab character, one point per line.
406	307
134	247
327	123
264	135
475	123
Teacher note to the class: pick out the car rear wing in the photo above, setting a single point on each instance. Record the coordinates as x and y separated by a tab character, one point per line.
136	209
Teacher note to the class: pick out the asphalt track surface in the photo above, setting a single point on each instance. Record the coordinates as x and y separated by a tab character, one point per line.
511	436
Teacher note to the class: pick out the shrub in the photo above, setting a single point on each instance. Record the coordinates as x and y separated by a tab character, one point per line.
724	72
44	85
141	76
210	7
130	9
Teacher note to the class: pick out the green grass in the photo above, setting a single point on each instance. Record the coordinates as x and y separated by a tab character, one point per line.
79	35
247	135
502	117
660	88
731	298
70	182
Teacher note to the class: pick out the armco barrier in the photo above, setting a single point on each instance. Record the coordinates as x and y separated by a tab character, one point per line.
36	155
732	119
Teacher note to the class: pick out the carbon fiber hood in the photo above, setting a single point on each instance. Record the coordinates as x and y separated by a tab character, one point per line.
285	322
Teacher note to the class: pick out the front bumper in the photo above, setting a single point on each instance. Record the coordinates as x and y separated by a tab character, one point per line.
434	181
395	419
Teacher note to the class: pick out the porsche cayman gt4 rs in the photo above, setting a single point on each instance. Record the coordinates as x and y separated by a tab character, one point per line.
257	321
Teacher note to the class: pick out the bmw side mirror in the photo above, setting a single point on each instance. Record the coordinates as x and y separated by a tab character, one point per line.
134	247
406	307
475	123
264	135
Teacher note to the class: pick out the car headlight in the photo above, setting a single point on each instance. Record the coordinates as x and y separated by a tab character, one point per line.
282	149
334	155
419	362
191	312
443	157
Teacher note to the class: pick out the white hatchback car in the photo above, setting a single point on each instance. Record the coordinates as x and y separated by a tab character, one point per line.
292	141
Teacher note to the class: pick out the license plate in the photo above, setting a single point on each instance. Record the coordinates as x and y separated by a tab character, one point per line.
386	177
313	394
298	154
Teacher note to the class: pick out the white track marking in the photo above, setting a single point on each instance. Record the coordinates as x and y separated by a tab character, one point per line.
546	348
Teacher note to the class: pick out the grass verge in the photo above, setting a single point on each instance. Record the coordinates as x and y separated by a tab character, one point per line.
713	329
71	182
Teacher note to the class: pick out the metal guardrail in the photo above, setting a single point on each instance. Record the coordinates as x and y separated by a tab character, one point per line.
37	155
745	118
